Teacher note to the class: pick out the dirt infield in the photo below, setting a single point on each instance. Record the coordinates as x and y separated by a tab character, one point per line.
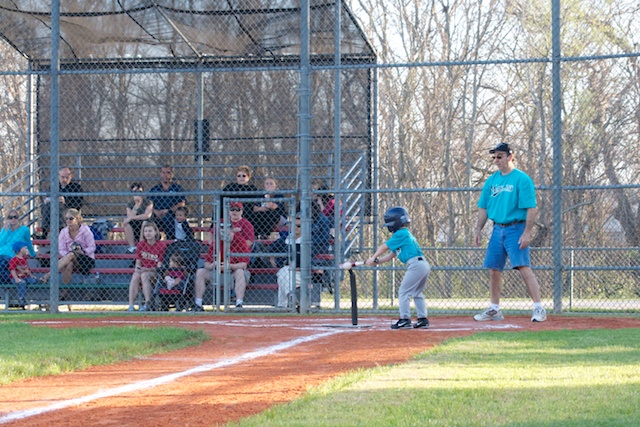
249	365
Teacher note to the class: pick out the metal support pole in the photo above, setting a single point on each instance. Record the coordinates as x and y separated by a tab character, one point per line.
31	154
376	183
54	161
557	157
304	138
571	277
199	131
338	221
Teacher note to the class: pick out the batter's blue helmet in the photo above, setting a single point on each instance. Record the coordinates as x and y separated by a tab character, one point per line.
395	218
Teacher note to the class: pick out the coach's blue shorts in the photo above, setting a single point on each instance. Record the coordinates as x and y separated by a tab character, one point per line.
503	244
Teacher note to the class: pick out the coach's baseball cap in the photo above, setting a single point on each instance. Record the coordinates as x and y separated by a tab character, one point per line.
235	205
503	146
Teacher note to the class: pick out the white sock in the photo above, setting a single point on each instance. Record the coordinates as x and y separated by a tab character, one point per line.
495	307
537	305
130	307
238	302
199	301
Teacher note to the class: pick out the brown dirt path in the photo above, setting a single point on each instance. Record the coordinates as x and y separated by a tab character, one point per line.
228	388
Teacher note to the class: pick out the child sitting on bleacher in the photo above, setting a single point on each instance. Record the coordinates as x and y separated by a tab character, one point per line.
288	278
175	274
149	257
181	229
21	275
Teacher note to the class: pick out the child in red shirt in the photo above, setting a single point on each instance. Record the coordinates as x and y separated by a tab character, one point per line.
21	275
176	272
149	256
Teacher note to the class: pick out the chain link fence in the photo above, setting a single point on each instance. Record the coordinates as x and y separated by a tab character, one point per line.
385	114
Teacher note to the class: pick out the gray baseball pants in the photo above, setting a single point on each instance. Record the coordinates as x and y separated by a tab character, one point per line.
413	283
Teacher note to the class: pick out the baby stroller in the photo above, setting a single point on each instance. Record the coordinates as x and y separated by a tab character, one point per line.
180	295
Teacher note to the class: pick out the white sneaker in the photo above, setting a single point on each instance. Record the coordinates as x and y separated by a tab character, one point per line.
131	250
539	315
489	314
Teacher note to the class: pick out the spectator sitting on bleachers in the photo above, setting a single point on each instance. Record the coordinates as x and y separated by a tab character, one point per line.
21	275
242	237
149	257
170	196
176	273
66	186
12	231
243	175
320	237
269	213
282	244
76	248
139	210
327	204
320	230
181	229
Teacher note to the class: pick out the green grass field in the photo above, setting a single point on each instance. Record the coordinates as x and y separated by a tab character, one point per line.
29	351
546	378
550	378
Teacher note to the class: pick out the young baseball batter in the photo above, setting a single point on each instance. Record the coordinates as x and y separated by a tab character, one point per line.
405	246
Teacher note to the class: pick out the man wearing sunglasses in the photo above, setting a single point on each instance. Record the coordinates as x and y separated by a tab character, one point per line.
242	184
242	235
508	198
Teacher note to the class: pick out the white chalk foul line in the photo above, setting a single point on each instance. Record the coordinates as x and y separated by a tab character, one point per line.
141	385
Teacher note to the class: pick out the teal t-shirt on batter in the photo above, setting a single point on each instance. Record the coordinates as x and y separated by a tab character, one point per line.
404	244
507	197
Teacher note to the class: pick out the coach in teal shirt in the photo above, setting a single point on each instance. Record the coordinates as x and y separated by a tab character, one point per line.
509	199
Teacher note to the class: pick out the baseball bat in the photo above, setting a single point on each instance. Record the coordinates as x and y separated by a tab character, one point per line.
354	297
348	265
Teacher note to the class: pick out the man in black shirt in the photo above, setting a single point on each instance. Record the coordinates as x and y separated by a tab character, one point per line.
66	186
167	197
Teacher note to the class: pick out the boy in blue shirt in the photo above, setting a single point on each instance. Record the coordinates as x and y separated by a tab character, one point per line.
405	246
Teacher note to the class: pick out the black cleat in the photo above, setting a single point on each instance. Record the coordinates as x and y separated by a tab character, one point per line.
422	323
402	324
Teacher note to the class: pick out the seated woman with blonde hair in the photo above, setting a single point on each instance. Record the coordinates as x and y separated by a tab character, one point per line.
76	247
